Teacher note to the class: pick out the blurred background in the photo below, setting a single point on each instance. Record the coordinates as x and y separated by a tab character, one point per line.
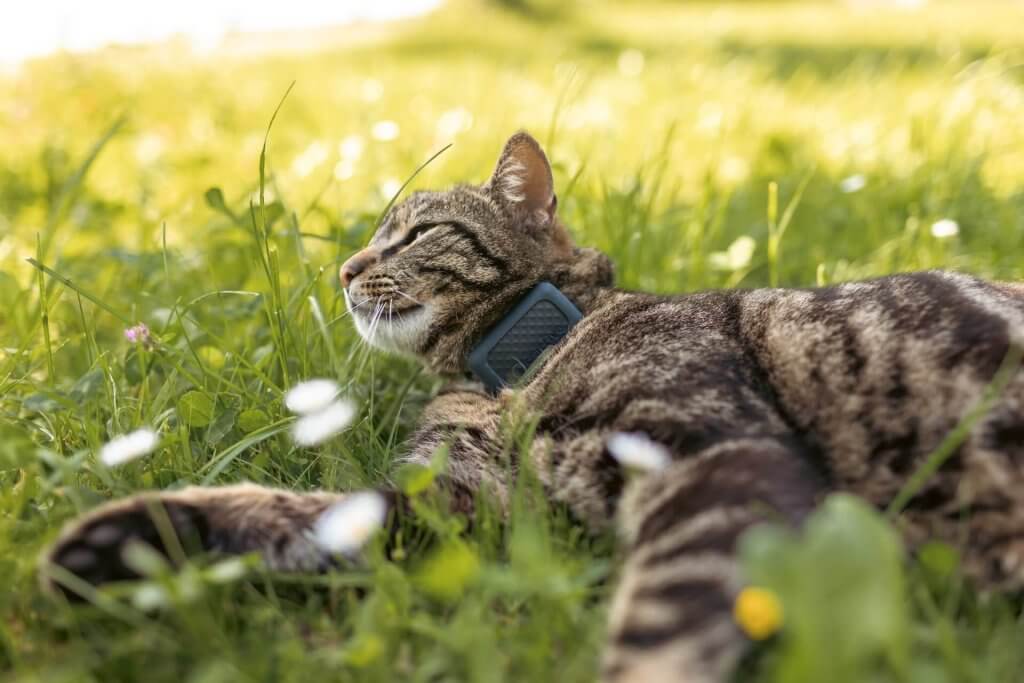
697	106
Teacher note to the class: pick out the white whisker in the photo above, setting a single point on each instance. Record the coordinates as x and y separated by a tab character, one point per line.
378	311
401	293
350	308
388	327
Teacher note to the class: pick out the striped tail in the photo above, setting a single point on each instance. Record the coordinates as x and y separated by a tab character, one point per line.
671	619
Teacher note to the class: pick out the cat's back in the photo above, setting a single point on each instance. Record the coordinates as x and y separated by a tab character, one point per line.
877	373
839	335
895	340
872	374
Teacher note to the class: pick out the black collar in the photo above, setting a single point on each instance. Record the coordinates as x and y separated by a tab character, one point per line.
537	322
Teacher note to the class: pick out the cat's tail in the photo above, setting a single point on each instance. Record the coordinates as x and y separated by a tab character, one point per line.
671	618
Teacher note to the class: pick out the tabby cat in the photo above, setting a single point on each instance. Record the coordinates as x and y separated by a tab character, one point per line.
766	400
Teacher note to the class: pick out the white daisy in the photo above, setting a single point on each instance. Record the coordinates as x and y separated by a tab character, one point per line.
128	447
636	451
149	148
351	147
737	256
311	396
945	228
345	169
385	131
854	183
345	527
454	121
315	428
313	156
733	170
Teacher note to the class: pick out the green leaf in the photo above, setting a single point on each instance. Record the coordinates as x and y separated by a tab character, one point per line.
446	574
16	448
272	212
221	427
940	560
143	559
262	355
10	291
841	583
212	357
414	478
215	200
251	420
87	387
135	364
48	402
196	408
364	650
223	459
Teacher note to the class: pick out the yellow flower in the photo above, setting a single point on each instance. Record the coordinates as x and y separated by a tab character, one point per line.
758	612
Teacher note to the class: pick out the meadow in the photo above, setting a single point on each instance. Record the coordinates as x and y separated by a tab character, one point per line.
701	145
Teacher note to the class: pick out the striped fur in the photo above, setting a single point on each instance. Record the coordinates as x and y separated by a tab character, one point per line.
765	399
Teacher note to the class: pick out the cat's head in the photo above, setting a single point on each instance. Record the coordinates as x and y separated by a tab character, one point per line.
445	266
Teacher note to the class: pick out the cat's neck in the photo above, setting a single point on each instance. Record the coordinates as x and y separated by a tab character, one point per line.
586	277
587	297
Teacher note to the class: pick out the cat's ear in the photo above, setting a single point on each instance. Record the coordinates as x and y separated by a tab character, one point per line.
522	180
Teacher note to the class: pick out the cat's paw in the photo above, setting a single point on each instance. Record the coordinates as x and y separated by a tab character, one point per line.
92	547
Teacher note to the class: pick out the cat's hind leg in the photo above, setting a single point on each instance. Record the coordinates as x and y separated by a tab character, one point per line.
228	520
671	618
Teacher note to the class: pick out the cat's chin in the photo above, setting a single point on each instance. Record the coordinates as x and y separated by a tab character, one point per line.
398	333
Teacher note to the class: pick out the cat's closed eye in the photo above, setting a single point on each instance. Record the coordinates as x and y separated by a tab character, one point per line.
419	232
410	237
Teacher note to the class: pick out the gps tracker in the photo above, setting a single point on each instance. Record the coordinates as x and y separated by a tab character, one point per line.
540	320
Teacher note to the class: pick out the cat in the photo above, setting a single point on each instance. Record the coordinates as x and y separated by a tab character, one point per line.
766	400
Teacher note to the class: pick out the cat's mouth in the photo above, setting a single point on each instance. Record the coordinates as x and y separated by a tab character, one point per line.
381	308
390	325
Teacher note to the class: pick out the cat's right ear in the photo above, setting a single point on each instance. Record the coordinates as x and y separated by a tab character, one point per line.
522	181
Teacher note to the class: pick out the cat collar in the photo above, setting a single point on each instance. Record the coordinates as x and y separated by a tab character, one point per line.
537	322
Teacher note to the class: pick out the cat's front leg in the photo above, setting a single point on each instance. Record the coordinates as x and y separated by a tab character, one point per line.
275	523
227	520
671	619
466	422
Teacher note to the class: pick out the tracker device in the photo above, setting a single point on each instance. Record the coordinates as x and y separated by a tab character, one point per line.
539	321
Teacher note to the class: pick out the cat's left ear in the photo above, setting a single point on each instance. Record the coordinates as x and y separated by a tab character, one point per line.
522	180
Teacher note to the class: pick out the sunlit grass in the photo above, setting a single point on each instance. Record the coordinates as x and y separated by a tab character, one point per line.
132	177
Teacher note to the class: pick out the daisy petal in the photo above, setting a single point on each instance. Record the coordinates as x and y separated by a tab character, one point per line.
128	447
637	451
945	228
311	396
345	527
309	430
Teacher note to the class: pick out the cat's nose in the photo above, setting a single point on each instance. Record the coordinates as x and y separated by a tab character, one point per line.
356	264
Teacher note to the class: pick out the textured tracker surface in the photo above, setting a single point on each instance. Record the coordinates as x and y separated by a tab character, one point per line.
542	326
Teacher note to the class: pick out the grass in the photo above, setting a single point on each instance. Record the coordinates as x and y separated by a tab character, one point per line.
700	145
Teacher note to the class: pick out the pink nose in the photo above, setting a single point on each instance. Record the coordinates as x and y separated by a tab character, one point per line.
356	264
